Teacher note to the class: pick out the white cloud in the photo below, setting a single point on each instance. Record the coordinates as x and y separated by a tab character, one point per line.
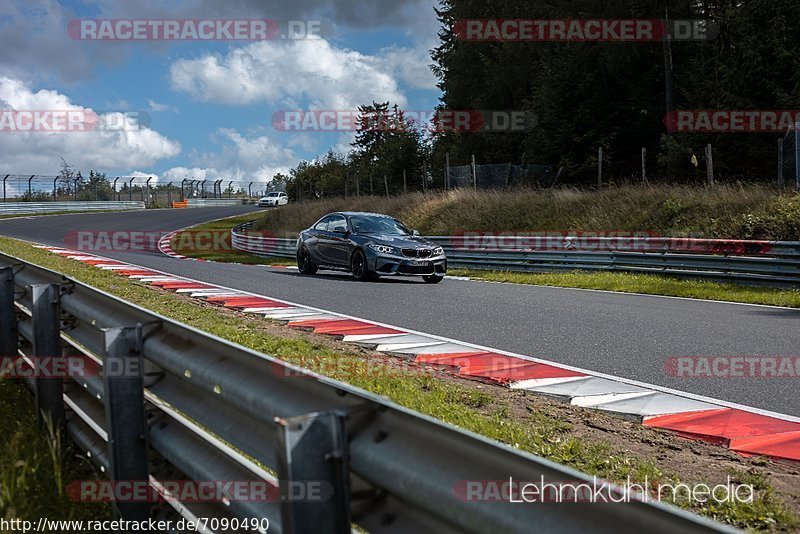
157	106
411	65
240	158
312	70
118	142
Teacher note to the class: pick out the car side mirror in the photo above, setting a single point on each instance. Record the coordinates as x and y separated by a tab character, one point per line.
340	230
415	233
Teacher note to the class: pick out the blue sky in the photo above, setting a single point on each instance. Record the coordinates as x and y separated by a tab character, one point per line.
204	109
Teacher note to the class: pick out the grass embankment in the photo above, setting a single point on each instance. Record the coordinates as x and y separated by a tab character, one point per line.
735	212
592	442
36	464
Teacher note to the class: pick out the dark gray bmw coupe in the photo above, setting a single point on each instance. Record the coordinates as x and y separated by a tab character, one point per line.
369	245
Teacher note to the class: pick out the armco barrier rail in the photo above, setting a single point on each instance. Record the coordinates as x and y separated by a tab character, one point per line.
211	202
191	406
771	263
8	208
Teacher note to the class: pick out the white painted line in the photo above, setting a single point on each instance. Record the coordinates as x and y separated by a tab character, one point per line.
541	382
358	338
450	348
596	401
405	347
401	338
284	315
265	309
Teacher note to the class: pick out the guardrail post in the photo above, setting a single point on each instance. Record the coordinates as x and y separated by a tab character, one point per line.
123	382
313	471
8	314
46	322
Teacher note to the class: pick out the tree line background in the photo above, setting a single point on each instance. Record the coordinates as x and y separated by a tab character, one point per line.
585	96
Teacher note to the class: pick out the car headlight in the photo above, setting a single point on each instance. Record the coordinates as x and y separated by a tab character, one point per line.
384	249
438	251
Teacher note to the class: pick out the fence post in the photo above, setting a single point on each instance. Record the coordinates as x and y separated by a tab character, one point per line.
46	322
405	190
644	164
230	189
55	196
8	314
600	167
130	189
386	185
474	174
123	382
30	192
710	164
780	163
313	449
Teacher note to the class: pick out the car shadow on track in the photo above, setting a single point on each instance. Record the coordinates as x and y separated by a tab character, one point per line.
345	277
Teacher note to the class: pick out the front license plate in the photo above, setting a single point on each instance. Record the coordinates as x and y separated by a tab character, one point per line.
415	263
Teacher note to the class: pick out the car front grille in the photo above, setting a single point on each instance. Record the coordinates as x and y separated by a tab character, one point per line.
417	252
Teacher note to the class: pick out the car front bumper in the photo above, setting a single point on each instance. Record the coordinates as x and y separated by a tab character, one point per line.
393	265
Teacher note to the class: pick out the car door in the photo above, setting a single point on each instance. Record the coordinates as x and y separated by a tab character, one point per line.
317	234
283	199
335	248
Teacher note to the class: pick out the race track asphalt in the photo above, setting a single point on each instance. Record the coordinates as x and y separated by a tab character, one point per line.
630	336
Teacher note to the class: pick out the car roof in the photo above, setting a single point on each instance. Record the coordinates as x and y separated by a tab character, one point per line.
351	213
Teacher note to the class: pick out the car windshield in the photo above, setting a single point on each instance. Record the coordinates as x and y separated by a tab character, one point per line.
365	224
274	195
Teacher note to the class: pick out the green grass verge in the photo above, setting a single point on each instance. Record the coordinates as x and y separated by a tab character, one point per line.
648	284
227	254
36	465
539	433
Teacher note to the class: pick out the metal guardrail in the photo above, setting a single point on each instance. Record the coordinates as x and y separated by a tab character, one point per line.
204	409
211	202
8	208
771	263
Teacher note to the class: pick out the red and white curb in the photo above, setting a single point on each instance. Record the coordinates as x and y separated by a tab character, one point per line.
745	430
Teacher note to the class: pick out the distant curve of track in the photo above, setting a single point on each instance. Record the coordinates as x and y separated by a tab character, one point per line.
630	336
